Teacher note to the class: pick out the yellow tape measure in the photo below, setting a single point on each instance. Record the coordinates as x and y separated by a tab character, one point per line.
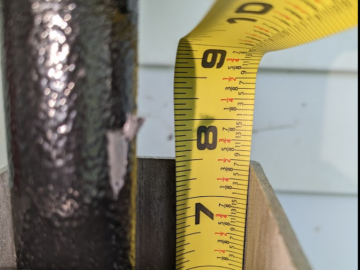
214	93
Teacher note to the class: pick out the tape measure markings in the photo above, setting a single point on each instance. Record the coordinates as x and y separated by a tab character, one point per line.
204	178
214	115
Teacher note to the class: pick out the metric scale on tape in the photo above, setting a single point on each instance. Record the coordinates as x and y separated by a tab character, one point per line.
214	93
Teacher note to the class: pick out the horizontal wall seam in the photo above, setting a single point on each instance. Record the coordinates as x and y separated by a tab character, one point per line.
275	70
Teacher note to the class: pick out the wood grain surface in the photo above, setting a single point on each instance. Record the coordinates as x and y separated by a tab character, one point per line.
271	243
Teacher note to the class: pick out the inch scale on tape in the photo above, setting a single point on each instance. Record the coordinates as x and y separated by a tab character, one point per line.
214	93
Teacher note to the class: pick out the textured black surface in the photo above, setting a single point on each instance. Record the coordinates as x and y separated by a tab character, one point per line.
70	79
156	215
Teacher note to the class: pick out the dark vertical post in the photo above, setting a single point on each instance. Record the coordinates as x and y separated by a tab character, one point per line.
70	103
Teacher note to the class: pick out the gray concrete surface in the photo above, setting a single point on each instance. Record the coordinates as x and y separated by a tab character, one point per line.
7	251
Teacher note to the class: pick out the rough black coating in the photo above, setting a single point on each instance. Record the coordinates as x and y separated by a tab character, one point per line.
156	215
70	79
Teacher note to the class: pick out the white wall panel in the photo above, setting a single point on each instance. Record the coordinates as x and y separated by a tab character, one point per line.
336	53
305	130
164	22
327	228
155	104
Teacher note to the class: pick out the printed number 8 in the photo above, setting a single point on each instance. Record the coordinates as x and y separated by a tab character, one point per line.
207	144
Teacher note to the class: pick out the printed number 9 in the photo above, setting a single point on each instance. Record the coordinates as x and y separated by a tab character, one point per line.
206	144
206	63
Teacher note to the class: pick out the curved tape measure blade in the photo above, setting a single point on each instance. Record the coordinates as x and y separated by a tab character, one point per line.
214	93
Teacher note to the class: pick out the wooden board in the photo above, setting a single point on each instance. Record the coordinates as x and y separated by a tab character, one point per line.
270	241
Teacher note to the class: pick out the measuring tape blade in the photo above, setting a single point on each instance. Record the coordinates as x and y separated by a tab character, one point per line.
214	94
